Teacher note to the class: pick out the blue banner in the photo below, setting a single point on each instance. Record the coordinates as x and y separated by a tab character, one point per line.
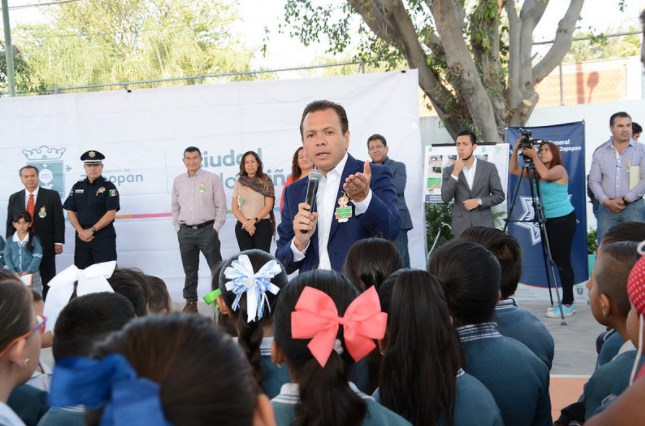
570	138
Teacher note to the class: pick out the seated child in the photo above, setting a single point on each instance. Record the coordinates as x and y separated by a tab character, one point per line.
610	305
370	260
517	378
250	283
41	378
159	301
133	284
421	376
321	326
83	323
609	342
512	321
174	369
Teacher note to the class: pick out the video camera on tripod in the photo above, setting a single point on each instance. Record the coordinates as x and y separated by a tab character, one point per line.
527	141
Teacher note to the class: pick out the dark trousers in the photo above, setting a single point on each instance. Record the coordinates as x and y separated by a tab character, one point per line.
260	240
101	249
191	242
47	272
401	244
560	231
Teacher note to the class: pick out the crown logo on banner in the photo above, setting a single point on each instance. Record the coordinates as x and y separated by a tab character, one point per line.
44	152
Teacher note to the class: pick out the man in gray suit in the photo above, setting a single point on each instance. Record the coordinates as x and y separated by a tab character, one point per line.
474	185
378	149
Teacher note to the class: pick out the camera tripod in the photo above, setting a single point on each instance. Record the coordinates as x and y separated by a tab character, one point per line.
539	219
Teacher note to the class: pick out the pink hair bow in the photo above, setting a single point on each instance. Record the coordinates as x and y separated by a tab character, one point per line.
316	317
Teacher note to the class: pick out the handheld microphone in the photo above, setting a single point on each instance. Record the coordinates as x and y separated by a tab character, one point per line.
312	188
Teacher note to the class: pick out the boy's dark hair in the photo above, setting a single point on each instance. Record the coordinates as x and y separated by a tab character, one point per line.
370	260
133	284
469	275
202	374
325	395
506	249
423	355
636	128
250	334
158	296
624	231
618	259
16	312
87	320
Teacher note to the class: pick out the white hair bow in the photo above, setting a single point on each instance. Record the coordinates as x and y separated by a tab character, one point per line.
92	279
255	285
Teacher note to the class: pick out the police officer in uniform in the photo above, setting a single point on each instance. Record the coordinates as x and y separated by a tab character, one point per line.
91	208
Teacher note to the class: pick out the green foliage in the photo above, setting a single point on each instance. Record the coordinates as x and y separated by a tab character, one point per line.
592	241
22	71
599	46
437	214
106	41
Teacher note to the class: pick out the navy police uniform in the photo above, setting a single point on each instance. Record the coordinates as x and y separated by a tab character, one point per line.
90	201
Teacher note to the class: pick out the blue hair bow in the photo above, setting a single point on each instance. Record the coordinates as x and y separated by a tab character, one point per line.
255	285
110	383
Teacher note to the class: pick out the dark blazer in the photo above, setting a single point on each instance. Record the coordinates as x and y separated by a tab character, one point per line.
380	219
486	186
50	228
400	179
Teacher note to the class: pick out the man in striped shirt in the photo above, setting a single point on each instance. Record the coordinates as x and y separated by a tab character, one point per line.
617	177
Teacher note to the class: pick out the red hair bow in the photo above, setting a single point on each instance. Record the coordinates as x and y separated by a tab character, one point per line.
316	317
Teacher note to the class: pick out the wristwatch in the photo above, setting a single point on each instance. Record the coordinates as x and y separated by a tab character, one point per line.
625	200
257	220
93	229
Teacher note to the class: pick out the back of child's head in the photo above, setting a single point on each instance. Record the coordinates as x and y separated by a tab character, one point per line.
250	283
615	262
87	320
624	231
132	284
422	355
197	375
636	320
158	296
470	276
370	260
16	310
506	249
321	364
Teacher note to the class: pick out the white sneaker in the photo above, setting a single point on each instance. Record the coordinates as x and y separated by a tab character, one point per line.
567	311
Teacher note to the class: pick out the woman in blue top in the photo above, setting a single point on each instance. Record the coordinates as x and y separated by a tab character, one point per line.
23	252
560	214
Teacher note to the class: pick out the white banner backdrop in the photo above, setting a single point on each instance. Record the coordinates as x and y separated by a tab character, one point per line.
143	134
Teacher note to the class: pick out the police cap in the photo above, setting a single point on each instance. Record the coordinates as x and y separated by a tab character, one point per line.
92	157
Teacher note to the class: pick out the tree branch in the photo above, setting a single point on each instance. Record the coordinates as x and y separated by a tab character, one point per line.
562	43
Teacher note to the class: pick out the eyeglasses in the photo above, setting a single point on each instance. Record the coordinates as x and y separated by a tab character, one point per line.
41	320
376	148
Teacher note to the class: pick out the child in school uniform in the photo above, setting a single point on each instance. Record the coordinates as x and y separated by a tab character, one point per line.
517	378
321	326
422	377
23	252
2	244
175	369
610	306
609	342
628	407
250	283
512	321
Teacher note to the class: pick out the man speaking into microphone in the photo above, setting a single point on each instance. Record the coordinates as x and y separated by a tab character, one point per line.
353	200
474	185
